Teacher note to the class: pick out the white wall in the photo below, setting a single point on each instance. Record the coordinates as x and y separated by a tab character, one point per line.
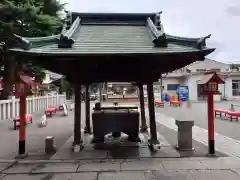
191	82
170	80
192	86
228	88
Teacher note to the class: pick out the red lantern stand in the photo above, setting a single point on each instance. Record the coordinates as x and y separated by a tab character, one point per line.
209	87
22	88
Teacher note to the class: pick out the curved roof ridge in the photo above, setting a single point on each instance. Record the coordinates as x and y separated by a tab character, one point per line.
42	41
26	43
199	43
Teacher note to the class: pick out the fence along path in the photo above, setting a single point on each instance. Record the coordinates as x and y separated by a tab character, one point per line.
9	109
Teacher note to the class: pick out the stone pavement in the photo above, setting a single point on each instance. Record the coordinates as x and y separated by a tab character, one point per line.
223	143
123	169
117	148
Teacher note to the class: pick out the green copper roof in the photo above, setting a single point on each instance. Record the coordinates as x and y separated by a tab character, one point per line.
93	34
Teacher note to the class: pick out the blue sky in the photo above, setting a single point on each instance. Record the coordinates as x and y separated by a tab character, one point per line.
190	18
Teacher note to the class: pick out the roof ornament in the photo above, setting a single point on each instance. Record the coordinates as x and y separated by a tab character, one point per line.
158	21
201	42
16	41
22	42
159	37
68	20
66	40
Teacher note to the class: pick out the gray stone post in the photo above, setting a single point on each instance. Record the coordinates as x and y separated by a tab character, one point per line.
185	135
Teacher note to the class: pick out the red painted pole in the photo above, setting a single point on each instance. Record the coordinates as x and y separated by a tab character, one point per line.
211	143
22	129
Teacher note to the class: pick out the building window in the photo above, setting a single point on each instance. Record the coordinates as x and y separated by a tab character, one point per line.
172	87
236	87
201	70
216	70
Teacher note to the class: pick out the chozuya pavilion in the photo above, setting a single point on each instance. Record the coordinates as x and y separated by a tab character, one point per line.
111	47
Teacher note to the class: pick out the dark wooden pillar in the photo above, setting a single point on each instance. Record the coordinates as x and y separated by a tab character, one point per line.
77	116
101	93
142	107
152	119
87	128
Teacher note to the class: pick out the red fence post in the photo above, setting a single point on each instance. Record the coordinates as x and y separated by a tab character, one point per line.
22	129
211	148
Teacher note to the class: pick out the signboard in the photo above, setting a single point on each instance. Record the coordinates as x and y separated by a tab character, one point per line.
183	93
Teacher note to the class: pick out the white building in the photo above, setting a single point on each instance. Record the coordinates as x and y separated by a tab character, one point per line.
192	74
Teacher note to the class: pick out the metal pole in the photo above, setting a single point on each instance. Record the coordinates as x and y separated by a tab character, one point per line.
211	146
22	129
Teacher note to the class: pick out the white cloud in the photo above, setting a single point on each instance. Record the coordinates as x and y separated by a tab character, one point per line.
190	18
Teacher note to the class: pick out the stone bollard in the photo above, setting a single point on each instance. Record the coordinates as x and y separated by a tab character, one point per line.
185	135
189	104
49	145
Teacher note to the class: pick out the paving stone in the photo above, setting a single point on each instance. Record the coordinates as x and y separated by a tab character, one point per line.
24	177
67	153
21	168
161	153
7	161
39	161
214	175
168	175
127	175
222	163
2	175
124	152
56	167
148	164
110	165
75	176
183	165
4	166
237	171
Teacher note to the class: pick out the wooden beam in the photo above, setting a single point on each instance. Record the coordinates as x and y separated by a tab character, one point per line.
77	116
87	128
152	120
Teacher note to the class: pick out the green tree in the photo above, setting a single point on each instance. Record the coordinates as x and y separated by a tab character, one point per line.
94	87
27	18
66	87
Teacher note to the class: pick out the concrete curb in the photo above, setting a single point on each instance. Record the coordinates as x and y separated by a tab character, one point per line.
109	159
